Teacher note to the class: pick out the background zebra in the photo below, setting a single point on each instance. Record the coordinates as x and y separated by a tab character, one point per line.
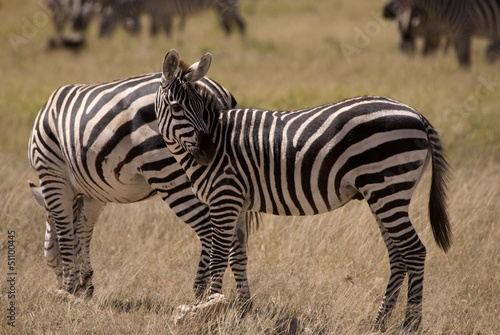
413	23
78	13
460	20
307	162
94	144
162	12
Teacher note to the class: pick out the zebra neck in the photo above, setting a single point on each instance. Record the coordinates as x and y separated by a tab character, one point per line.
437	8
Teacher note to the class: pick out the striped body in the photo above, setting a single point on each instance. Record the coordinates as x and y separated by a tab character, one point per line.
315	160
460	20
95	144
307	162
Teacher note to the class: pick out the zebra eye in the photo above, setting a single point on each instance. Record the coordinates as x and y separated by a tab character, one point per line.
177	108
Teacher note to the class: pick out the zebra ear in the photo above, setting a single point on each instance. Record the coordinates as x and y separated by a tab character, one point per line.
170	66
199	69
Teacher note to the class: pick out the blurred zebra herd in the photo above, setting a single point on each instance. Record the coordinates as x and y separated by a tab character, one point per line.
112	13
455	21
435	21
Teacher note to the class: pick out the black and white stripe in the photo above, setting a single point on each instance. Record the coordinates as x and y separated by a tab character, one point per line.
95	144
162	13
307	162
459	19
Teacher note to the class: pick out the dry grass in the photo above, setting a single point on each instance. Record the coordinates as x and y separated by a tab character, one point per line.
328	271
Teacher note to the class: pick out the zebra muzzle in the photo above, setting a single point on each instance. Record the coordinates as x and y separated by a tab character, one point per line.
204	152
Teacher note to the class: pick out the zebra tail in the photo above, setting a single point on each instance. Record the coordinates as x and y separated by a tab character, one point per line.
36	191
252	220
438	213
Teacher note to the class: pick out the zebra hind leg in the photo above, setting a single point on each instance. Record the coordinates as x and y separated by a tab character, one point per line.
60	208
406	255
51	250
52	253
86	218
398	273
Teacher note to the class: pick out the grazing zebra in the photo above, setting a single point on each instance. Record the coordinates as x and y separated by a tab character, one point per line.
162	12
460	20
307	162
95	144
413	23
76	12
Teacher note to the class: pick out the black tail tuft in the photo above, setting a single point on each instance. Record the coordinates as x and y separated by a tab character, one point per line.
438	212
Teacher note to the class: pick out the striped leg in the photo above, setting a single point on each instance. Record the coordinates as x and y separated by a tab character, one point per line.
51	249
60	203
87	217
406	255
224	220
398	273
238	261
52	252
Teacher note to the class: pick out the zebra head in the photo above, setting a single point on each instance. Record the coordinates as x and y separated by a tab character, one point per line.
179	107
393	8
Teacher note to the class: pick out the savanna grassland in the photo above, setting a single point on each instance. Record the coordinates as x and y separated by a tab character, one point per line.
329	271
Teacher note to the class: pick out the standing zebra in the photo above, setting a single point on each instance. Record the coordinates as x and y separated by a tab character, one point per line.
162	12
460	20
95	144
307	162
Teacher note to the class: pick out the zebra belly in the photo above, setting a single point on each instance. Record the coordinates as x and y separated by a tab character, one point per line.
130	173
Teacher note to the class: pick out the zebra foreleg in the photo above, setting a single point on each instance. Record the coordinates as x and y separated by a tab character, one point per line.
238	262
203	274
224	222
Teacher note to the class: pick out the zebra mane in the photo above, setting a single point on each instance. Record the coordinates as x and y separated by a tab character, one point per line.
212	101
184	69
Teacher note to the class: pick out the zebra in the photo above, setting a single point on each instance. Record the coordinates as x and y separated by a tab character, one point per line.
307	162
162	12
76	12
412	23
95	144
460	20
